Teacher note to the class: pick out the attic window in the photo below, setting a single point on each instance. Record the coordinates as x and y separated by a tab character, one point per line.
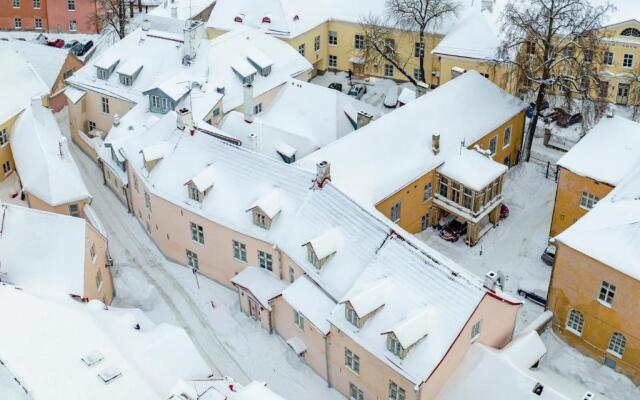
261	220
238	19
265	209
92	358
194	193
199	185
321	248
394	346
351	316
631	32
109	374
266	20
296	17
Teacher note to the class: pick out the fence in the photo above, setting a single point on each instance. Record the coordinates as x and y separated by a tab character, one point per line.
548	169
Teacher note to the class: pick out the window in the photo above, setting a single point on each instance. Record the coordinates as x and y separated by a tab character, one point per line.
91	125
261	220
298	319
102	73
4	137
351	316
467	198
355	393
608	58
265	259
73	25
93	253
444	186
418	50
301	49
99	280
455	192
159	103
147	200
126	80
493	144
617	343
316	44
16	3
67	74
333	61
38	24
396	392
17	22
588	55
6	167
428	192
352	361
135	183
476	329
531	47
192	259
424	222
359	42
197	233
194	193
417	73
388	70
292	275
607	291
257	109
71	5
239	251
587	200
36	4
333	38
105	105
631	32
393	345
74	210
627	61
604	89
506	141
395	211
390	45
575	322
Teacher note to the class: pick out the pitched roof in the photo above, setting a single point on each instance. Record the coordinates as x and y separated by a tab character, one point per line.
262	284
474	36
306	297
46	60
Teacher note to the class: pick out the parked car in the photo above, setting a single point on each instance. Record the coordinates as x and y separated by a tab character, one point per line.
569	120
391	97
84	49
549	255
70	44
504	211
357	91
553	114
336	86
453	230
76	48
59	43
538	296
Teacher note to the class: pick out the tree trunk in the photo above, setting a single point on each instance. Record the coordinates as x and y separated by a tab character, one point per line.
534	123
424	76
131	9
140	6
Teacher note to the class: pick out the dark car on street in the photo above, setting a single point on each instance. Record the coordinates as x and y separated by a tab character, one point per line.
453	230
336	86
549	255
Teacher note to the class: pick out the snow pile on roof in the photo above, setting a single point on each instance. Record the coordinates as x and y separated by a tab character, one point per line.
220	388
46	60
406	96
413	328
130	67
176	86
255	390
610	232
155	151
205	179
43	159
294	125
74	94
487	373
472	169
19	82
327	243
43	342
262	284
473	37
185	9
42	252
307	298
607	153
270	203
369	164
231	52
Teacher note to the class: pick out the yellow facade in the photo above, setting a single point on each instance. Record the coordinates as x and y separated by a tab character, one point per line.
576	285
567	209
622	87
6	157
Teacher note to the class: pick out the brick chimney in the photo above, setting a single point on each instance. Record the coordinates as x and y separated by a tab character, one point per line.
248	103
323	173
435	143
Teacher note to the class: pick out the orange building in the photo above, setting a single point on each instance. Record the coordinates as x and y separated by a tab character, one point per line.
49	15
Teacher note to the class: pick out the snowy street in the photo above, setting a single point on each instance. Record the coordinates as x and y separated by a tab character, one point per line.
230	342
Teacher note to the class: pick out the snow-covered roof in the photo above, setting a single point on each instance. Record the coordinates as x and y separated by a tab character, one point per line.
155	151
42	342
474	36
176	86
413	328
43	158
472	169
487	373
74	94
130	67
262	284
369	164
19	82
406	96
307	298
42	252
185	9
205	179
326	244
370	298
610	232
607	153
270	203
107	60
259	58
230	52
255	390
46	60
292	124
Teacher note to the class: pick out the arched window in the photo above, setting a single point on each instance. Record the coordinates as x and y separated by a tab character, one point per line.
575	322
617	343
631	32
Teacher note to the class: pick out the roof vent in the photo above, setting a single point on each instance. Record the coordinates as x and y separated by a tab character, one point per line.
266	20
537	389
109	374
116	120
92	358
220	89
296	17
588	396
238	18
490	280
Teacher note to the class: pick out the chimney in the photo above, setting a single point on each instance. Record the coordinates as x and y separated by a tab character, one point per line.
185	119
116	120
174	11
146	25
252	142
192	35
487	5
435	143
323	173
248	103
421	89
363	119
62	146
490	280
220	89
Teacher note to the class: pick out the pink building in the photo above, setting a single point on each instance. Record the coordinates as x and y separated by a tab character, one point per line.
72	16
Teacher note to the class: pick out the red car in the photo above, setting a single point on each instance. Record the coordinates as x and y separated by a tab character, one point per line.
504	211
56	43
453	230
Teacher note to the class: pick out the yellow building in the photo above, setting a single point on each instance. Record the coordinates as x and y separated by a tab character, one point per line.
596	281
592	168
621	63
443	154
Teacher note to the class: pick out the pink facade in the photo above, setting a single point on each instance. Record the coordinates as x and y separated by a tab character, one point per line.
72	16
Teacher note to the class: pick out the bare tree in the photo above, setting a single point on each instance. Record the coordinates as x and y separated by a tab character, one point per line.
410	16
114	13
554	45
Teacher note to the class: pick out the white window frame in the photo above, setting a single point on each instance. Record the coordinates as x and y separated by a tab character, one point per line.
352	361
588	200
493	145
36	4
73	25
6	168
192	259
388	70
197	233
194	193
239	251
358	42
37	22
355	393
396	392
351	315
74	210
298	320
104	103
506	139
428	192
4	137
627	61
333	38
333	61
608	58
316	44
15	3
265	260
17	22
393	345
617	344
93	253
606	294
302	49
575	322
71	5
396	212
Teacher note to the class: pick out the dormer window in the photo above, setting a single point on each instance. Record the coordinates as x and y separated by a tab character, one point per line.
394	346
158	104
129	71
408	333
151	155
321	248
260	61
126	80
199	185
194	193
105	66
351	316
103	74
266	208
261	220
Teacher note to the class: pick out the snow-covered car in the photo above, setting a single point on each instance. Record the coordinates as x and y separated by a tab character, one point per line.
504	211
391	97
453	230
70	44
357	91
549	255
538	296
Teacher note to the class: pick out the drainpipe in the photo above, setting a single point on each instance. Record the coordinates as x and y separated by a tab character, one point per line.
326	358
277	249
273	310
126	198
418	392
104	177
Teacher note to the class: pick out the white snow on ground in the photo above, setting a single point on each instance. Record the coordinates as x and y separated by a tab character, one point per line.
230	342
10	191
